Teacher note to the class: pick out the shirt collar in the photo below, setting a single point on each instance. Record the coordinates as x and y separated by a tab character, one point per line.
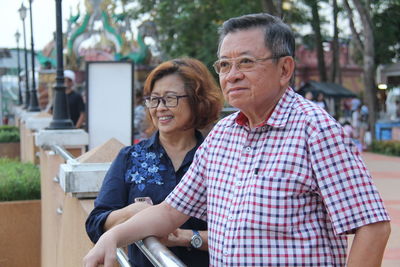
279	116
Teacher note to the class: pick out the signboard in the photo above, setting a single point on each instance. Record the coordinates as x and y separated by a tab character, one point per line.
110	101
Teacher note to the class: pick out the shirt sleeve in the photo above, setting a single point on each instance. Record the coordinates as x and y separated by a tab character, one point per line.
345	185
190	195
81	104
113	195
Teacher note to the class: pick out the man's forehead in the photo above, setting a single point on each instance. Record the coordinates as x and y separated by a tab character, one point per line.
243	42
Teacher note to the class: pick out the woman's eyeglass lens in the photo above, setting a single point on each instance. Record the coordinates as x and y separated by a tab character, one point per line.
169	101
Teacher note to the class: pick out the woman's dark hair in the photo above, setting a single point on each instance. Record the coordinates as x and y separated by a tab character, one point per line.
205	97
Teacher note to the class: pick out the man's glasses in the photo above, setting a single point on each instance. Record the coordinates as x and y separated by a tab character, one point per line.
169	101
243	64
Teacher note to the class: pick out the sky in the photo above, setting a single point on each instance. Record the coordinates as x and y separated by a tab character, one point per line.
44	21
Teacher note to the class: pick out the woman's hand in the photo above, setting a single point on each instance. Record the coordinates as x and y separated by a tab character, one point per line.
104	252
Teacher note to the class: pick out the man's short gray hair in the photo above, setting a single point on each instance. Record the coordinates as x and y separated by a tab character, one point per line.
279	38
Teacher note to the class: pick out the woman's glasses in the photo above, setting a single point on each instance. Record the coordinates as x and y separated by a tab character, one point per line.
169	101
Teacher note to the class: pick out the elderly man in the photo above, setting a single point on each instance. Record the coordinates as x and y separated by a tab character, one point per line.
279	182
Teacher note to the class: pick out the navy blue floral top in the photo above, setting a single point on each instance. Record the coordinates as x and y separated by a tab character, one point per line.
144	170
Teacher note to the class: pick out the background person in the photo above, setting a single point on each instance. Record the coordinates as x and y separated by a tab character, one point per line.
363	125
181	97
320	101
75	102
279	182
309	96
140	118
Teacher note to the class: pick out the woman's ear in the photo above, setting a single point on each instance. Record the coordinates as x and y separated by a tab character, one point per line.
287	69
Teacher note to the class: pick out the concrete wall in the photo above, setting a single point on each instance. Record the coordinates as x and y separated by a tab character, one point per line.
28	148
20	233
10	150
64	239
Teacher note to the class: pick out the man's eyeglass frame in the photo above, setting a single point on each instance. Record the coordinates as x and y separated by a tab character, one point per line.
236	62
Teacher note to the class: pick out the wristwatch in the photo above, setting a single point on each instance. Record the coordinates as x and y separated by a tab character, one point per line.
196	240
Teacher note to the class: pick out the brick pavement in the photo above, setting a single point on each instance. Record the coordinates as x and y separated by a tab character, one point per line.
385	172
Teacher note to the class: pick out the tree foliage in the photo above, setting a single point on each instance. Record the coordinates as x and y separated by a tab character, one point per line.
189	27
386	23
315	22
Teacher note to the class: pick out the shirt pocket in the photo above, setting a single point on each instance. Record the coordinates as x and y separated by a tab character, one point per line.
275	204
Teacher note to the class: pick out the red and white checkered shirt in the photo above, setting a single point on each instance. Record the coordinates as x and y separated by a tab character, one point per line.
285	193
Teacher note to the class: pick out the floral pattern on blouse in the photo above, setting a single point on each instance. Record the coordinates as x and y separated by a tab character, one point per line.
145	168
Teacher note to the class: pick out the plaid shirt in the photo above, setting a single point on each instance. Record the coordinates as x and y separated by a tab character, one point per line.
285	193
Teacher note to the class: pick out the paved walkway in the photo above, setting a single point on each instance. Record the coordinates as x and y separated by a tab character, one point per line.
385	172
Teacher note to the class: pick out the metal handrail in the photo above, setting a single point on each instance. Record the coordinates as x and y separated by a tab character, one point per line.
122	258
63	153
158	254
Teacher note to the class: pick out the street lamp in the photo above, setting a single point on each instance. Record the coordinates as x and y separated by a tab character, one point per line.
22	14
33	105
61	118
17	36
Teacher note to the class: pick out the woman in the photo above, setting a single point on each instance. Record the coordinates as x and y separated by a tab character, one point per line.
181	97
321	101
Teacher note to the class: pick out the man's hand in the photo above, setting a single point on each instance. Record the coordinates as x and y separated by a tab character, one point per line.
178	238
104	252
119	216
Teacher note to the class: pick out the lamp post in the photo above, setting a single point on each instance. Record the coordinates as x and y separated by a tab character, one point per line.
33	105
22	14
17	36
61	118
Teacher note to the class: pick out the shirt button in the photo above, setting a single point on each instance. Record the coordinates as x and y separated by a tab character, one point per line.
264	128
248	149
225	253
238	183
230	217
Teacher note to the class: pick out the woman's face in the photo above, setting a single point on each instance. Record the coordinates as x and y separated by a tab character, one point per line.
170	119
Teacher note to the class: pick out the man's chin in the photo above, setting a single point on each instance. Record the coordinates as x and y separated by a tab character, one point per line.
237	103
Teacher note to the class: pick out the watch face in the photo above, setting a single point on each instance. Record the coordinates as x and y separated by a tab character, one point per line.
196	241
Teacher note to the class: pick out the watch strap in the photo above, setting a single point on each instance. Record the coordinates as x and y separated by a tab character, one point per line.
195	232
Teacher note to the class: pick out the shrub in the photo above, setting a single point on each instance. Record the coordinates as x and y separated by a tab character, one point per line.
9	134
391	148
18	181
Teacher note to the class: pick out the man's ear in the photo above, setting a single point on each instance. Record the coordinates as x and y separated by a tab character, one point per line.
287	68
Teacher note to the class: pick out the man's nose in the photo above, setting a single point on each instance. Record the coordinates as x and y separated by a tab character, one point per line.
234	73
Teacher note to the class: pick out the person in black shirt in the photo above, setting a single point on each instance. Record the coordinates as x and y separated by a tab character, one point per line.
75	102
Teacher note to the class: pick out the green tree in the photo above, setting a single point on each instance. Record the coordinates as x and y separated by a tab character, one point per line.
315	21
377	39
335	74
386	21
189	27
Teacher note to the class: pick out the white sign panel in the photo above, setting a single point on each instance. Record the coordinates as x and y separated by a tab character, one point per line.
110	101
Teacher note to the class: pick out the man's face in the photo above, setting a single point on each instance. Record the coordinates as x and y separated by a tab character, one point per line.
68	83
256	89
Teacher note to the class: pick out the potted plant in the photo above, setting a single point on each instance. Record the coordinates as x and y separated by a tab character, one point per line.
9	141
20	211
